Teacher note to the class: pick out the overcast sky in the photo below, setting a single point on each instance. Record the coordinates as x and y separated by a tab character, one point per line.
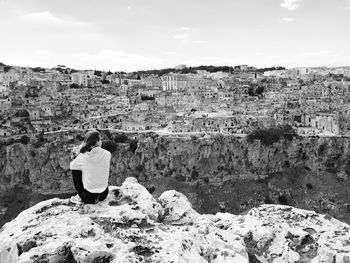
147	34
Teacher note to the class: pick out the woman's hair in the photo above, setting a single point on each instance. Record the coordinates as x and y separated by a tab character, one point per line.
91	138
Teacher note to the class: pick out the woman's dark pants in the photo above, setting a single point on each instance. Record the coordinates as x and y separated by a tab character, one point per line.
86	196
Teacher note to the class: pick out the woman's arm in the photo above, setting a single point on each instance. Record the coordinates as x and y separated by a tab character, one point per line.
77	163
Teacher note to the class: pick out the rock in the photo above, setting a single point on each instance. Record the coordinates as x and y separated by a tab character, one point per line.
63	254
99	257
26	246
177	208
55	231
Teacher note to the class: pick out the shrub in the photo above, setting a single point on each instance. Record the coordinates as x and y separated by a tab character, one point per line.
24	139
79	137
10	141
206	179
41	138
133	146
271	135
309	186
121	138
194	175
282	199
109	146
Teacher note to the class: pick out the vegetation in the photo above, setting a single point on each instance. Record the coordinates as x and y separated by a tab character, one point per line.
75	86
145	97
7	68
121	138
22	113
32	92
109	146
98	73
161	72
262	70
255	91
193	70
133	145
38	69
24	139
79	137
271	135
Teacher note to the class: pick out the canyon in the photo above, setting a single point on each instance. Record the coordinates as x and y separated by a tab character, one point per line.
217	173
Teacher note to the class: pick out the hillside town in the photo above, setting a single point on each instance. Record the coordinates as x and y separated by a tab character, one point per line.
234	100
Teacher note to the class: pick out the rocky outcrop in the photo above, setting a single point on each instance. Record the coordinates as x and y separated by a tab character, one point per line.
217	173
132	226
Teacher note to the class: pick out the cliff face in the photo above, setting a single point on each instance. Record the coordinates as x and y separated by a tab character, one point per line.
217	173
132	226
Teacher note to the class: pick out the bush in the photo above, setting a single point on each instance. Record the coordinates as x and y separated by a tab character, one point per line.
24	139
133	146
79	137
109	146
121	138
10	141
271	135
22	113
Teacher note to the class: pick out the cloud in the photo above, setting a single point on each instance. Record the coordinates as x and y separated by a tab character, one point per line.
169	53
116	59
348	6
199	41
288	19
291	4
42	52
48	18
184	28
209	60
185	37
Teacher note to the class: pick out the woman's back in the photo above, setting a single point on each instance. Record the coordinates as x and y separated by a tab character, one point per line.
95	166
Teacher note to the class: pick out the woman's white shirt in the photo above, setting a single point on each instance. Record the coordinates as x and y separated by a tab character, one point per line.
95	166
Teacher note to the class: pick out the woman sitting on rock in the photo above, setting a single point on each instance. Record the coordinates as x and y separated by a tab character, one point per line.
90	170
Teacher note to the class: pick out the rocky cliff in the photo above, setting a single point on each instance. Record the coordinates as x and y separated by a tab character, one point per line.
132	226
217	173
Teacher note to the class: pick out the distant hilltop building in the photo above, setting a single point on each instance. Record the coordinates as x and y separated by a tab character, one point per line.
303	70
174	82
80	79
181	66
243	67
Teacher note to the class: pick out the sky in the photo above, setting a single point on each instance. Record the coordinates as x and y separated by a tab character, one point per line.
130	35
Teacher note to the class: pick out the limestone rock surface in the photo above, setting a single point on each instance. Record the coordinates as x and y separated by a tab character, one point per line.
132	226
308	173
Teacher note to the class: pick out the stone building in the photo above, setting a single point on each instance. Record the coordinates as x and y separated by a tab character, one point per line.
80	78
174	82
324	121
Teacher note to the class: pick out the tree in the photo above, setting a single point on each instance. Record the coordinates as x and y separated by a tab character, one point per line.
22	113
24	139
259	90
98	73
74	86
269	136
7	68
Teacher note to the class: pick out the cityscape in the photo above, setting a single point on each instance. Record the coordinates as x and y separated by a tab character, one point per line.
206	99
